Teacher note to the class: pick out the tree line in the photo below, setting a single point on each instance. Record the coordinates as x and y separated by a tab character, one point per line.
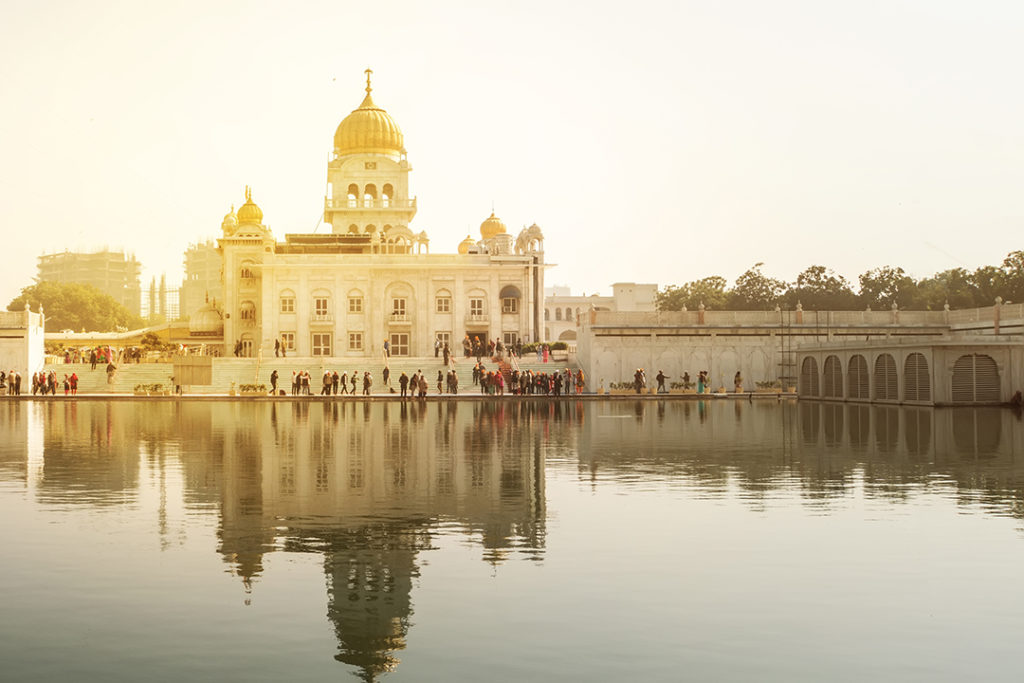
72	306
820	288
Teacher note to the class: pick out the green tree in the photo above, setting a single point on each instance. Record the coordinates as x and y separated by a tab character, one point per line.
882	287
1013	277
710	291
756	291
70	306
950	286
819	288
987	282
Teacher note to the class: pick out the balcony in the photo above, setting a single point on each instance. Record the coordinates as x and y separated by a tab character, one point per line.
400	320
370	203
321	319
247	282
478	319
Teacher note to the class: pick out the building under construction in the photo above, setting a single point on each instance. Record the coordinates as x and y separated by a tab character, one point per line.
112	272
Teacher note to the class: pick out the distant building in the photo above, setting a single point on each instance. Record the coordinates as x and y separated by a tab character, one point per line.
202	276
112	272
160	303
562	310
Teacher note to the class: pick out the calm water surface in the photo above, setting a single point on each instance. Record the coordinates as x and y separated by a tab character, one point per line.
725	541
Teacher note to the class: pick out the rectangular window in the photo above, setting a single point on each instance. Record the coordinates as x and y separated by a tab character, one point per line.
399	343
510	305
355	341
287	304
322	344
444	304
476	307
444	338
510	338
288	339
320	306
355	304
398	307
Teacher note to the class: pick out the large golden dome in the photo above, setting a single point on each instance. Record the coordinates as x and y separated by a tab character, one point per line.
249	212
492	227
368	129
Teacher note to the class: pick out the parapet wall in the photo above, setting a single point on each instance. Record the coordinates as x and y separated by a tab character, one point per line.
760	345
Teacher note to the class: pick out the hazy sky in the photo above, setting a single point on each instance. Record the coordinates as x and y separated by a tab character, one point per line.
654	142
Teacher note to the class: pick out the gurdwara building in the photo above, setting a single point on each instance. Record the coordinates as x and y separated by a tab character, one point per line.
373	278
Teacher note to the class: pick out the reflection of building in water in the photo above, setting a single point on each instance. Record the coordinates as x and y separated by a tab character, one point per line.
366	485
826	447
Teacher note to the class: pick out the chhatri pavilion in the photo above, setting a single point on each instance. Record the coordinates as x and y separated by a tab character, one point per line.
372	278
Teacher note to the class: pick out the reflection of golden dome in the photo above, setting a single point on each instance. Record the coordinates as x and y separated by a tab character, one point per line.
465	244
492	227
249	212
368	129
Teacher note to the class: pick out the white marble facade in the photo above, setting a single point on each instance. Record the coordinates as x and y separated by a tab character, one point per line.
372	278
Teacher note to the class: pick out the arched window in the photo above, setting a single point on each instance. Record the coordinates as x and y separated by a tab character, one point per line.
369	195
857	381
558	314
809	377
917	382
975	379
247	313
509	296
885	378
833	381
386	194
568	314
353	195
547	315
246	272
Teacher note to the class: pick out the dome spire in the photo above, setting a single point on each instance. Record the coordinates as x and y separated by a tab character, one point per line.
368	73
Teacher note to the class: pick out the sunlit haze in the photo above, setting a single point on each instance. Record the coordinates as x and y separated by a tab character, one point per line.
652	142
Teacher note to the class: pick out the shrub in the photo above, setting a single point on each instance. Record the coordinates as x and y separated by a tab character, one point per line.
262	388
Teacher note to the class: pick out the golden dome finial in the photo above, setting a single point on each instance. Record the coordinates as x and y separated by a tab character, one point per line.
248	194
368	72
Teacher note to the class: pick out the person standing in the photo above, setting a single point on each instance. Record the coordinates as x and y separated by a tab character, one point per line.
343	382
387	349
447	353
277	348
273	382
334	382
74	384
386	374
437	347
403	384
367	383
440	382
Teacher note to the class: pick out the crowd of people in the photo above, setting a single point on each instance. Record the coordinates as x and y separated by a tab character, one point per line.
491	382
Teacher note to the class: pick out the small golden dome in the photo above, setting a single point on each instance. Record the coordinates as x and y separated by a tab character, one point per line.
465	244
249	212
492	227
368	129
230	220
